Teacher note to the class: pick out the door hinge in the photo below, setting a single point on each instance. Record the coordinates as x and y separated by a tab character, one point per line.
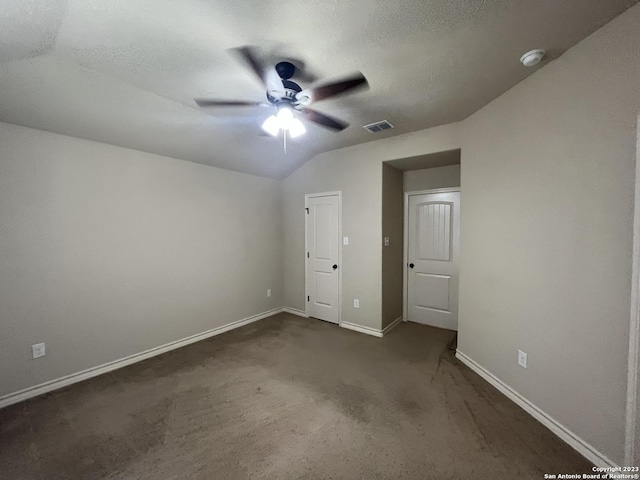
307	209
307	298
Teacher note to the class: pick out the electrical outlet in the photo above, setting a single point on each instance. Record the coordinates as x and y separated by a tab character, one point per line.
268	292
38	350
356	303
522	359
386	241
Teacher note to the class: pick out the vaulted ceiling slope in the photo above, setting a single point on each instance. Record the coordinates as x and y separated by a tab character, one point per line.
126	72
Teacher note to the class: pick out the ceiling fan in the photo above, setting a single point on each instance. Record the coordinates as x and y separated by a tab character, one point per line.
290	100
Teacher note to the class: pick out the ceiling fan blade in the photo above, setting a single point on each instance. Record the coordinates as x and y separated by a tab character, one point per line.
204	102
275	87
248	56
321	92
324	120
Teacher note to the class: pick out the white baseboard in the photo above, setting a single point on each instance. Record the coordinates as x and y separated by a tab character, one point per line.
392	325
359	328
372	331
36	390
573	440
295	311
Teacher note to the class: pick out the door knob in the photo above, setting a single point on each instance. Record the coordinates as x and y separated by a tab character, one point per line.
335	266
411	265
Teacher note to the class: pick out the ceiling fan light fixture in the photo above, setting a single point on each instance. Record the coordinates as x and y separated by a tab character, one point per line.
285	118
296	128
271	125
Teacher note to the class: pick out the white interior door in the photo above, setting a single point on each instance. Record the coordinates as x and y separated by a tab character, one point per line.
323	244
432	257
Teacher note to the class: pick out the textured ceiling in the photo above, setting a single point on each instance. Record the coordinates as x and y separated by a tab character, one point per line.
125	72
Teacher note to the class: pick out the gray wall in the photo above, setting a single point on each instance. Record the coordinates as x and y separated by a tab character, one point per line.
428	178
357	172
359	186
107	252
392	227
547	229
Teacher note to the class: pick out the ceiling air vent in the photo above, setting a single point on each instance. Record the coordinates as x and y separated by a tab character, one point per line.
378	126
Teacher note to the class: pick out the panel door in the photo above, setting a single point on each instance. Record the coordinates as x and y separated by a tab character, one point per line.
434	238
322	257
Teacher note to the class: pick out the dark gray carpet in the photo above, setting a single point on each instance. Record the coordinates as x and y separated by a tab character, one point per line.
285	397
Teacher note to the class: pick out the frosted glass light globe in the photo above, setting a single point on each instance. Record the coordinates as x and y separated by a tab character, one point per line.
285	117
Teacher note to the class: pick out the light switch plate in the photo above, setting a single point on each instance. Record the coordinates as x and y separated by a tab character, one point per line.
386	241
522	359
356	303
38	350
345	240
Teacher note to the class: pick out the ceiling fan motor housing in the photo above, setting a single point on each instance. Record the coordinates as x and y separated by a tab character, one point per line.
290	91
286	70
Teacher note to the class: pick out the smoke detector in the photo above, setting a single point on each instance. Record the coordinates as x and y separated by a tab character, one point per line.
532	58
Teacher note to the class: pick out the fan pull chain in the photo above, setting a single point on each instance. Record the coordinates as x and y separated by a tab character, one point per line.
284	133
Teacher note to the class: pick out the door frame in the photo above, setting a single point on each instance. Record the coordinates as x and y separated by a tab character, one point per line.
306	260
632	443
405	248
